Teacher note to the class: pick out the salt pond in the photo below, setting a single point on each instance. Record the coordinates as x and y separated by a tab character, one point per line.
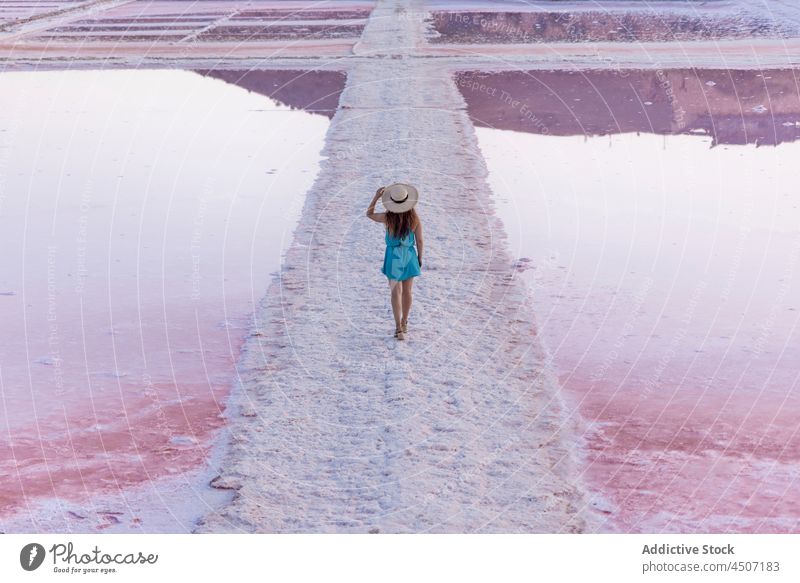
663	270
141	215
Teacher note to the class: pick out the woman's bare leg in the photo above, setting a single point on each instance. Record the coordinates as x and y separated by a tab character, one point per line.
397	301
407	296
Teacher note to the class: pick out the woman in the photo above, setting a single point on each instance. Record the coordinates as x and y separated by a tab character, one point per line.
401	262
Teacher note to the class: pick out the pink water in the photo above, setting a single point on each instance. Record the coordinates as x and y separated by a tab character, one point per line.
142	213
665	274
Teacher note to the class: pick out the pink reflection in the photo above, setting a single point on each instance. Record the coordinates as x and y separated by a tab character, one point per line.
734	106
143	213
665	275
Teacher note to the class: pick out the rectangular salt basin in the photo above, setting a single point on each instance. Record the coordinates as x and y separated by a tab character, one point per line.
142	213
664	276
609	21
24	9
169	22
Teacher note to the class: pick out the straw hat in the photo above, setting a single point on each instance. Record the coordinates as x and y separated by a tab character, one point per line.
399	197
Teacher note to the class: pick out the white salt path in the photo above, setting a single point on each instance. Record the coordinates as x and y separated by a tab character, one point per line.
339	427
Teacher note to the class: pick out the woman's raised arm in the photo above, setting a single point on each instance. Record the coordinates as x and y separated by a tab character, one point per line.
377	217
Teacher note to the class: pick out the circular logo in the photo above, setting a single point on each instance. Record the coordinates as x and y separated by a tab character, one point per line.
31	556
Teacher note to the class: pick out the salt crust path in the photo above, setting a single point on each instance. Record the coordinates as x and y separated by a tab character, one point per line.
336	426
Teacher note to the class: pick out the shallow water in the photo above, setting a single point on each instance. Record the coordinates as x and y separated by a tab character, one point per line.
24	9
171	21
556	27
142	214
664	275
732	106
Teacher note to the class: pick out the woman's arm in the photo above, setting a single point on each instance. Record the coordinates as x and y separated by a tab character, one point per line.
377	217
420	242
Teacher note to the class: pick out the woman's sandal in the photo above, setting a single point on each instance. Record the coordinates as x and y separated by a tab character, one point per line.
404	326
399	334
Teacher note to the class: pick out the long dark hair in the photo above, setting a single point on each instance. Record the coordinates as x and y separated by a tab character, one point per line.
399	224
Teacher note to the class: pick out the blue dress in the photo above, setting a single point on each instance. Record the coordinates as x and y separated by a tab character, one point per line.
400	260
